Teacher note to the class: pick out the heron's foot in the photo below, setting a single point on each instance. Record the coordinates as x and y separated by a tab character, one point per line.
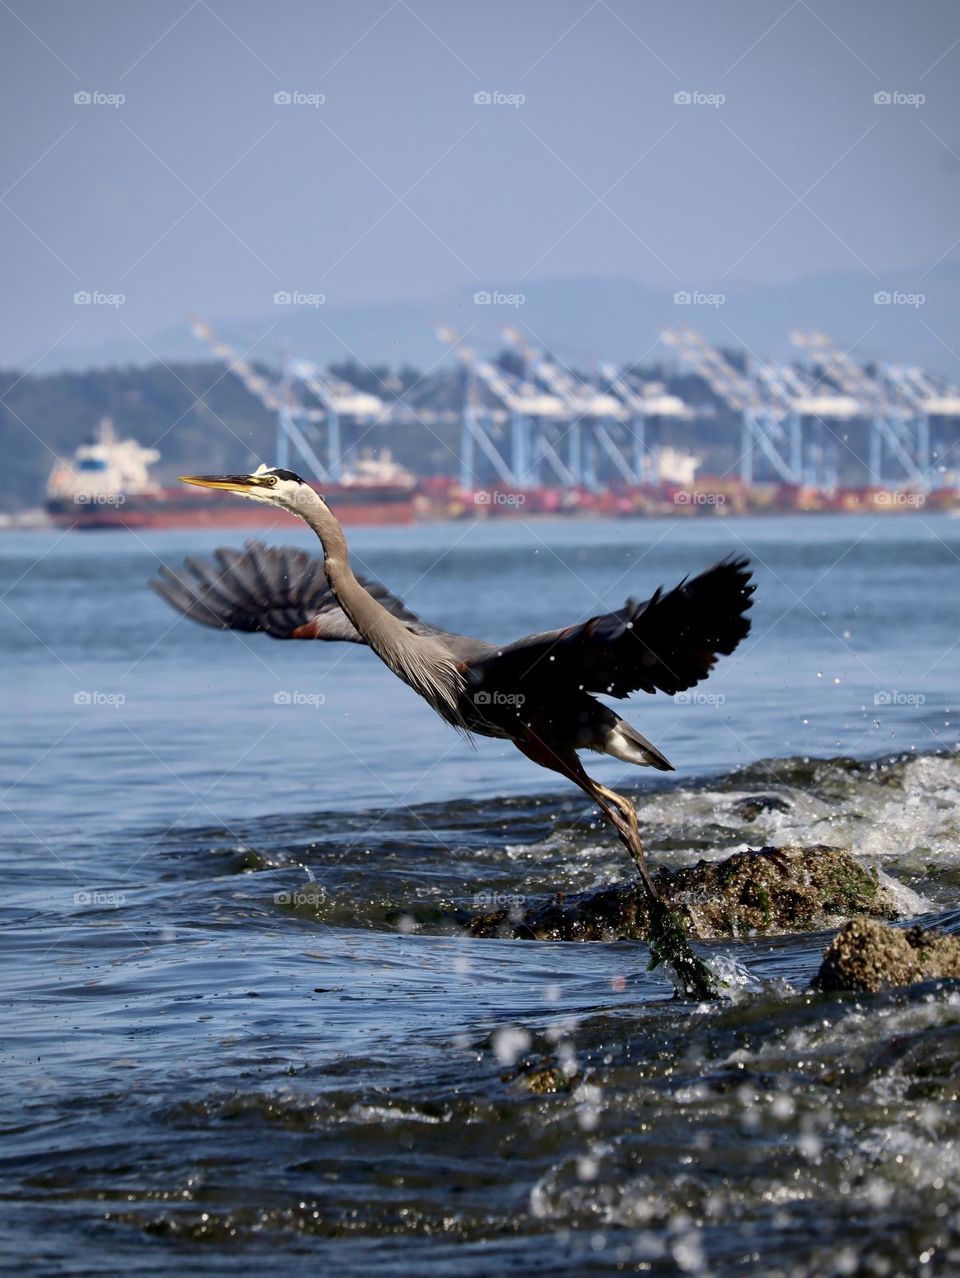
624	817
669	943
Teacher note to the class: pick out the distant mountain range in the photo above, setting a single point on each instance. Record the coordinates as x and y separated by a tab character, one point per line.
915	319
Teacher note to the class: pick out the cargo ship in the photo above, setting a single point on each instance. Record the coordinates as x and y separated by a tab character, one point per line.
107	484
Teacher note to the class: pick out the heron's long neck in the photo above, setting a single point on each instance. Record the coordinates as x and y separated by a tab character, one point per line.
374	624
419	660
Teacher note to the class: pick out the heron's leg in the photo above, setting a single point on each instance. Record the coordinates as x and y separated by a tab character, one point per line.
668	937
631	836
618	810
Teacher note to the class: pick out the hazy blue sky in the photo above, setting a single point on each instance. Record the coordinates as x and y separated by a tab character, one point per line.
199	193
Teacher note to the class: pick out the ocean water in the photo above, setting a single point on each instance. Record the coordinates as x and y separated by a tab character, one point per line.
241	1025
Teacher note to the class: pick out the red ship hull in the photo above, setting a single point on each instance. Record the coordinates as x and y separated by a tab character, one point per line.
354	505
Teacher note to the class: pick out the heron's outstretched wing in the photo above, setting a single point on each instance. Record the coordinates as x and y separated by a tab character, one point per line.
668	643
276	589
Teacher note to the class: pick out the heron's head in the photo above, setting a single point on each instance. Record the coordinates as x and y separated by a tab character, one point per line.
267	484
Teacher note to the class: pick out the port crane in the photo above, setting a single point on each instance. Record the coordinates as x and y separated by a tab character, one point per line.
547	424
807	407
760	407
519	405
645	402
595	418
898	432
778	405
924	397
288	395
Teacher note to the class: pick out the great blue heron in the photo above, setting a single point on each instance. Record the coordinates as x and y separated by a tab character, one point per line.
535	692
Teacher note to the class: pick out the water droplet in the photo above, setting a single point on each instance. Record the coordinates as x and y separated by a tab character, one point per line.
508	1043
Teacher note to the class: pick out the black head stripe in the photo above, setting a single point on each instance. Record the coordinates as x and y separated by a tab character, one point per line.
286	474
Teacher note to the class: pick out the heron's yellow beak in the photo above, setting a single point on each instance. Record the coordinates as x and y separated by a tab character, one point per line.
244	484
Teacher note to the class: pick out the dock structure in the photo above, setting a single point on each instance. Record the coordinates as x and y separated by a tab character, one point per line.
649	404
897	402
604	425
305	401
927	398
787	418
537	424
507	420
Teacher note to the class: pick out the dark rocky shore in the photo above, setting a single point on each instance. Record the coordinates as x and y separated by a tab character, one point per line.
767	891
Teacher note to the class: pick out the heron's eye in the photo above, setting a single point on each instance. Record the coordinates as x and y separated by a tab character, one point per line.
272	481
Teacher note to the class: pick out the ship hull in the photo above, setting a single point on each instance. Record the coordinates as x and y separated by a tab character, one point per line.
354	505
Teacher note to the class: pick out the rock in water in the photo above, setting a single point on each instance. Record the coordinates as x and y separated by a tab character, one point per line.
869	956
767	891
750	808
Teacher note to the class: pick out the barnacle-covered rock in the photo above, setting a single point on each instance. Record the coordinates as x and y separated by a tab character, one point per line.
768	891
866	955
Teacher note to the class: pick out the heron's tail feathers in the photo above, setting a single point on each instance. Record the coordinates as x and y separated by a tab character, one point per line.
624	742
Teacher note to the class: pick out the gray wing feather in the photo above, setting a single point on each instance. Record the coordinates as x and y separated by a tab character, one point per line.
278	590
